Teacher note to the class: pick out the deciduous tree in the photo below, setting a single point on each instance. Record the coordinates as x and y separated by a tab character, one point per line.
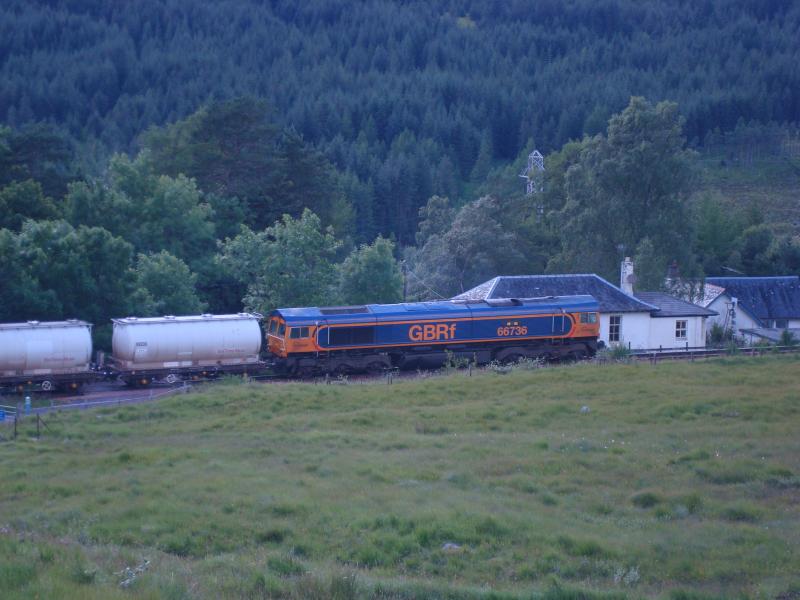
370	274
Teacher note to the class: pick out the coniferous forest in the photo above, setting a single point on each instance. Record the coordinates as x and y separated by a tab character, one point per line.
170	156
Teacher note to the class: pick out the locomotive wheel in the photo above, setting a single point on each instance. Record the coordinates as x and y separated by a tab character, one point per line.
512	359
306	372
576	356
342	370
172	378
375	368
47	386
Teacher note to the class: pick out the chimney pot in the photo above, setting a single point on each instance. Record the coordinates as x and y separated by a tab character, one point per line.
626	276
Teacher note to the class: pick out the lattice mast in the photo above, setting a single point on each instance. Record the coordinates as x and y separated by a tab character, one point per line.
533	174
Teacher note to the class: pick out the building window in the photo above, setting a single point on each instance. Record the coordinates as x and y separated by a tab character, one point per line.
614	328
781	323
680	330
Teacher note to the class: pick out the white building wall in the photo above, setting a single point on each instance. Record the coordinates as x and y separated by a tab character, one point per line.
794	323
635	329
662	332
721	304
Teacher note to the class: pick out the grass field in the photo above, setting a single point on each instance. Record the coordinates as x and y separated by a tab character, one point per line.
677	481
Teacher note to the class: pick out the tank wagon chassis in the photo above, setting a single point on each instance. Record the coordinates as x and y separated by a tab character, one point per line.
46	383
146	377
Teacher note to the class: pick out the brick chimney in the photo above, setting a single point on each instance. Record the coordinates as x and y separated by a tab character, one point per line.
626	276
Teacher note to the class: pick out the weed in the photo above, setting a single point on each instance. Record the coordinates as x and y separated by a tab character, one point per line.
490	528
82	573
727	474
741	512
697	455
14	576
587	548
285	566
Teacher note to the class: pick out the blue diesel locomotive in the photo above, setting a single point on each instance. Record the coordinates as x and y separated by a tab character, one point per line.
374	337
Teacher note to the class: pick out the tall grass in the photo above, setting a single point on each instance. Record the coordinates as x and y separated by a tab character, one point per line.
679	479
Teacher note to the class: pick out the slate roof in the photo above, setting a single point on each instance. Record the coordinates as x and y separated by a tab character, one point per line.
670	306
764	297
609	296
772	335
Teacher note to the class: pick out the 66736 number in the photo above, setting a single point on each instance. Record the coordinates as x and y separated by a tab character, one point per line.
511	331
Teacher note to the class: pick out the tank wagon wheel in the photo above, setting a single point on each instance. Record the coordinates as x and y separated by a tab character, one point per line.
172	378
47	386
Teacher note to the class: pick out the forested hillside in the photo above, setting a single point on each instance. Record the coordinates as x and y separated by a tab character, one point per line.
149	151
405	95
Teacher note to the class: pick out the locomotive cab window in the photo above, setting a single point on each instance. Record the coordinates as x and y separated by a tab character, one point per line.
589	317
298	332
273	325
281	329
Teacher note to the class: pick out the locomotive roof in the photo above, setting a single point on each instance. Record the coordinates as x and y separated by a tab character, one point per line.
445	309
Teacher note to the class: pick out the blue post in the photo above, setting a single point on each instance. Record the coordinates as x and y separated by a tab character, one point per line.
27	405
2	415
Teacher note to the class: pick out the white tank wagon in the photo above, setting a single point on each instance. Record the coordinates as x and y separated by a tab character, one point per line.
45	355
170	348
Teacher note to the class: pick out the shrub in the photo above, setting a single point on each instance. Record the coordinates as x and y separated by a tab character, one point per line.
272	536
787	338
646	499
616	352
718	335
